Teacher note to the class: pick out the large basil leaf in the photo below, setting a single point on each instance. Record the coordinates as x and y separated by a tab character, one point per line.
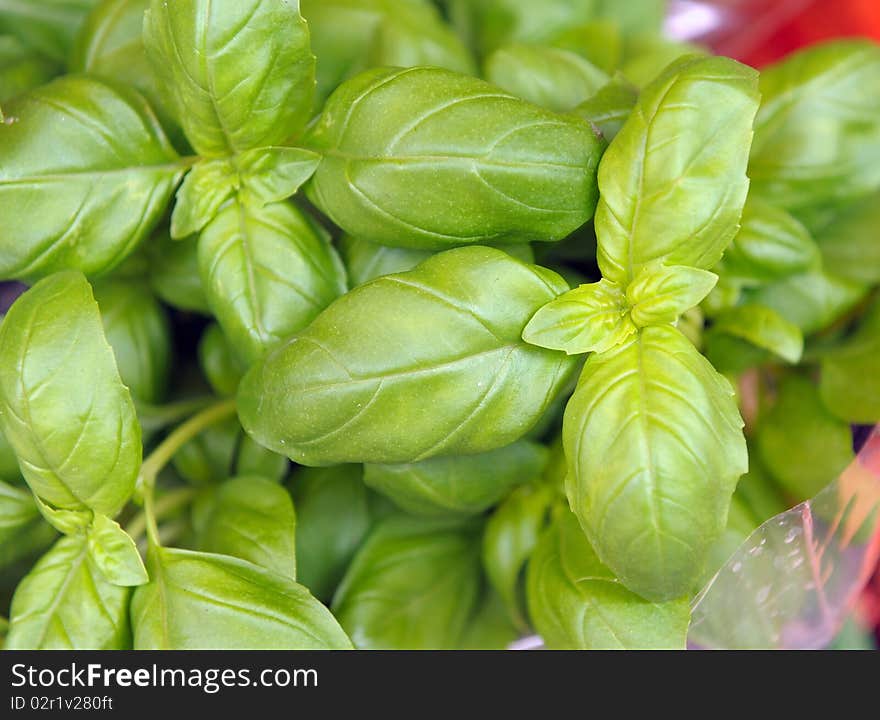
850	244
428	158
21	69
458	484
576	603
239	73
811	300
412	586
9	469
202	601
251	518
764	328
770	245
386	391
673	182
332	519
850	384
110	45
511	535
550	77
86	172
802	445
351	35
655	447
817	134
267	273
47	25
66	603
174	272
137	329
63	407
22	529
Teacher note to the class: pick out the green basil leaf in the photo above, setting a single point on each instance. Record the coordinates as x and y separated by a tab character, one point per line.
599	41
811	300
646	55
849	244
770	245
67	522
351	35
660	295
803	445
757	490
764	328
9	469
137	328
239	73
273	174
208	458
609	107
110	45
66	603
333	517
655	447
326	397
740	524
511	535
490	627
115	554
576	602
457	484
63	407
202	601
590	318
86	172
267	273
365	260
547	76
50	26
673	182
251	518
201	195
219	362
21	69
413	585
731	355
174	272
22	530
254	459
427	158
817	134
850	383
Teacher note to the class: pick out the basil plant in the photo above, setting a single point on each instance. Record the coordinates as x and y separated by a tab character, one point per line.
365	324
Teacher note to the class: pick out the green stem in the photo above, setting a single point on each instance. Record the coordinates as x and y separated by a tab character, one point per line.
157	417
166	450
166	505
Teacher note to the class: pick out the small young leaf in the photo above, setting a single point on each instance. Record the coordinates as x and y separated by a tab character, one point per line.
201	195
115	554
326	397
267	273
590	318
333	517
673	182
659	295
576	603
433	159
609	107
457	484
87	173
63	407
800	442
273	174
66	603
202	601
550	77
239	74
511	535
655	447
251	518
413	585
764	328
